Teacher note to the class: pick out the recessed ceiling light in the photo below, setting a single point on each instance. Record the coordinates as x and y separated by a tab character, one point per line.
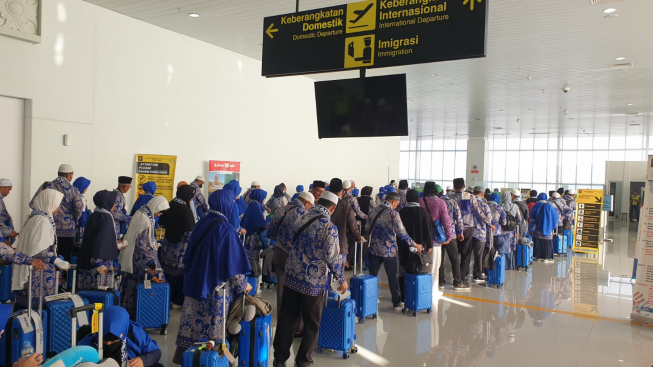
193	15
621	58
630	104
609	10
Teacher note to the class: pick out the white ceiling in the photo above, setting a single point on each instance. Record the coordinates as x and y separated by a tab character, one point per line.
554	42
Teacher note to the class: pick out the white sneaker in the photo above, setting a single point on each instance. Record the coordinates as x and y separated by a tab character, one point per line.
549	261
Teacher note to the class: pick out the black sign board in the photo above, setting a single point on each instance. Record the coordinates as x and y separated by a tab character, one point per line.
373	34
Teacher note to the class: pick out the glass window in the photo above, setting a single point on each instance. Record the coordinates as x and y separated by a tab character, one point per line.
601	142
634	142
512	164
436	165
540	143
616	155
403	164
498	165
584	142
526	143
425	165
538	167
499	143
599	157
568	166
448	163
403	144
512	143
438	144
569	142
617	142
553	142
525	166
461	164
426	143
411	164
551	167
634	155
413	143
461	144
449	144
583	168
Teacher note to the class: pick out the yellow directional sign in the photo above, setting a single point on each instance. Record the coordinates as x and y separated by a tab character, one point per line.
270	31
587	233
361	16
359	51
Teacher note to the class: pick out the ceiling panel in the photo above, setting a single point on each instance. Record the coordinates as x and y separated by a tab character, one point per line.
534	48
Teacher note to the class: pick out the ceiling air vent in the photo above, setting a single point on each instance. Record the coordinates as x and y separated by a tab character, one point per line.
625	65
594	2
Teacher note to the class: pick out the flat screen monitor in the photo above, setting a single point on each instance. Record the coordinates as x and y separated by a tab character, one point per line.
362	107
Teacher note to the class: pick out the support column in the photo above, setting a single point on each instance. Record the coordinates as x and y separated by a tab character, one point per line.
476	174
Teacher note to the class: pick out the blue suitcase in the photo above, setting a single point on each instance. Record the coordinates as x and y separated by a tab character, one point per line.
59	337
196	357
418	293
254	342
108	296
365	291
569	235
522	256
497	276
562	269
337	327
6	294
253	281
153	306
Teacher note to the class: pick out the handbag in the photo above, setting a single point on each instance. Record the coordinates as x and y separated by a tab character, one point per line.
439	234
419	264
503	244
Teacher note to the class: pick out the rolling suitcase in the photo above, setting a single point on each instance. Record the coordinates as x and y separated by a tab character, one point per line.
364	291
497	275
58	307
24	332
337	327
253	281
108	296
254	341
207	353
6	294
569	235
521	256
419	293
153	304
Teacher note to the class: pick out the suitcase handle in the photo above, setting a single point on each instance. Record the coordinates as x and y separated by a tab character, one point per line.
99	307
223	342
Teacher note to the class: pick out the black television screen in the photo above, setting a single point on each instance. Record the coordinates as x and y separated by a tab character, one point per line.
362	107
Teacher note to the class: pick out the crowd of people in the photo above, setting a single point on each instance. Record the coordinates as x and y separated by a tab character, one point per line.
313	233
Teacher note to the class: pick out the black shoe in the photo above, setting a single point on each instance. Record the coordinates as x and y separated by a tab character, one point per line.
278	364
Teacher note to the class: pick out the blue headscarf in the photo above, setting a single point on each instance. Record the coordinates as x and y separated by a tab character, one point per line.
234	187
355	192
116	322
389	188
496	198
220	255
150	189
381	190
253	218
300	189
548	220
81	183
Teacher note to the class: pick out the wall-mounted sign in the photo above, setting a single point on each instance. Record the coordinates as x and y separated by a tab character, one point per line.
221	173
373	34
159	169
589	205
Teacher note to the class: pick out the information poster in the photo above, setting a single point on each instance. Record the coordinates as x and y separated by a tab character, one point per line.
643	289
221	172
159	169
587	235
586	282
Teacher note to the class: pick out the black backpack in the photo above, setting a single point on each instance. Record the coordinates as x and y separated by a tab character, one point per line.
511	222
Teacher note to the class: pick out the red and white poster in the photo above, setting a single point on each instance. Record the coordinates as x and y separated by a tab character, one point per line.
221	172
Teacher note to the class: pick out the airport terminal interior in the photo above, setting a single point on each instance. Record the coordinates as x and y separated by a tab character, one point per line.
507	94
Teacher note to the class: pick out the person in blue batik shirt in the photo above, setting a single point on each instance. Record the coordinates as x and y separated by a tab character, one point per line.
214	255
120	211
149	189
141	251
99	246
82	184
198	200
178	222
315	253
384	227
72	208
125	341
6	223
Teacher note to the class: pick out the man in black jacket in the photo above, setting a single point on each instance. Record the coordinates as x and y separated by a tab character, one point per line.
344	219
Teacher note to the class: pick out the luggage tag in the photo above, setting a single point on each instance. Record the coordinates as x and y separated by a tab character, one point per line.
227	353
148	284
466	196
25	323
95	322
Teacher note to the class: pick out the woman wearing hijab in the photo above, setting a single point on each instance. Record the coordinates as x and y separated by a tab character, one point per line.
512	208
38	240
99	246
544	219
278	200
234	187
498	219
254	223
419	227
124	340
214	255
149	188
82	184
300	189
141	251
178	222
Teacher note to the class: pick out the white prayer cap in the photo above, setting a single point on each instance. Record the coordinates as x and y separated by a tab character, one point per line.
65	168
200	178
555	195
307	196
346	184
5	182
515	192
449	188
572	192
328	195
256	183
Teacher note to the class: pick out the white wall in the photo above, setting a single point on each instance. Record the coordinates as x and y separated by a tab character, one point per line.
119	86
12	125
625	172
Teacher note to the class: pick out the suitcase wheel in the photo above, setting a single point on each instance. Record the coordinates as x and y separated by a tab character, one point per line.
374	317
404	310
414	313
526	268
429	311
361	320
345	355
499	286
354	350
320	350
164	329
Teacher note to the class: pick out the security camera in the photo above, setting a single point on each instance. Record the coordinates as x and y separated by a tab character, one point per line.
566	89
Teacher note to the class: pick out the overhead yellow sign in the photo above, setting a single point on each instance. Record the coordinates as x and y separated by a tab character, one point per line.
587	234
361	16
157	168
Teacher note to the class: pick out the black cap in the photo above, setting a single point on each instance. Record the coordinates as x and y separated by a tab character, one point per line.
366	191
533	193
124	180
335	185
403	184
318	183
412	196
429	186
458	183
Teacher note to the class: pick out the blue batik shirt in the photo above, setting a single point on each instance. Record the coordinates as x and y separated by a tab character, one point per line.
316	251
482	219
454	214
387	228
72	206
6	224
472	210
281	228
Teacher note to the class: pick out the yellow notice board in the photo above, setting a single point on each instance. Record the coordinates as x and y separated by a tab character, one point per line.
587	234
159	169
585	279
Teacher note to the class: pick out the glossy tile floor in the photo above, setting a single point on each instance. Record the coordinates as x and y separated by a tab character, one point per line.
571	313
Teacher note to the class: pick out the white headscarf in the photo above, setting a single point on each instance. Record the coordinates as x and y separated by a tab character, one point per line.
139	223
38	233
